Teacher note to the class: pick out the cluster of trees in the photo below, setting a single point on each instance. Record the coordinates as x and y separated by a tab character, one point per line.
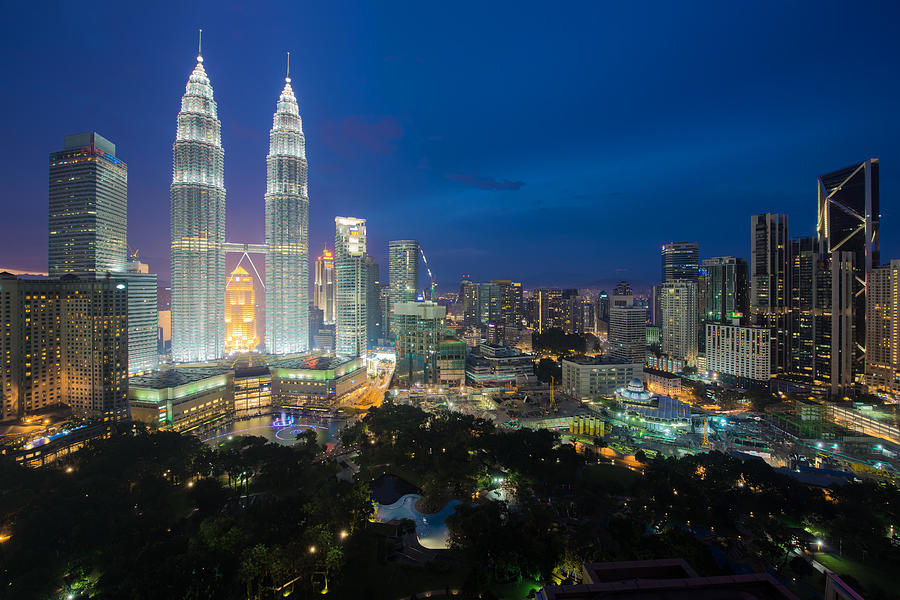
557	341
160	515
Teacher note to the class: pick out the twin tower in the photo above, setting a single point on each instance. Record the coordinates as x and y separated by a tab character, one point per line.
198	228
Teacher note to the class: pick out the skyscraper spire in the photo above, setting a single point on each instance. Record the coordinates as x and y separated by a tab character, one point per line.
200	47
287	229
287	76
198	226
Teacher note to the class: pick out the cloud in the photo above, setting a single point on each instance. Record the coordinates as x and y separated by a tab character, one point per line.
485	183
359	134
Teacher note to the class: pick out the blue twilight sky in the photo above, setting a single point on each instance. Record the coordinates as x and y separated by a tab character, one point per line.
553	143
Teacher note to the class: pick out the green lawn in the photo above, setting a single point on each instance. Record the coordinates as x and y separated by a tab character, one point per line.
869	575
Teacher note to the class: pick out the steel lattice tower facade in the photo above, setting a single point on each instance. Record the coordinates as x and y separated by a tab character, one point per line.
287	230
198	226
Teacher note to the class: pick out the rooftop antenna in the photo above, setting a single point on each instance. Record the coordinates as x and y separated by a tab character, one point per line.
287	77
200	47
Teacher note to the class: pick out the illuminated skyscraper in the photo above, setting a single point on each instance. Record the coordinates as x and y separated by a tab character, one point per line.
323	287
351	276
240	313
678	304
680	261
287	230
403	264
88	206
770	282
198	226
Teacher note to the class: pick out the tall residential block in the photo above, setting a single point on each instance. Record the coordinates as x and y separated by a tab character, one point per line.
240	313
742	353
64	341
323	286
678	308
849	222
88	207
351	275
680	261
403	270
770	283
287	230
198	226
883	329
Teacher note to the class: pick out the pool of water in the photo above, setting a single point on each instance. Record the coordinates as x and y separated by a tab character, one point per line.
272	428
431	529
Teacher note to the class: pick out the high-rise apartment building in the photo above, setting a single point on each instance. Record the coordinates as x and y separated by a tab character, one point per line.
725	293
678	308
770	283
240	313
88	207
627	327
553	309
883	329
323	287
403	267
510	301
602	312
198	226
744	353
680	261
64	341
849	222
351	277
287	230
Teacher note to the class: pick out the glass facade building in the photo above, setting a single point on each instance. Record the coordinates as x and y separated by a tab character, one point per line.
680	261
403	270
287	230
88	207
198	226
351	276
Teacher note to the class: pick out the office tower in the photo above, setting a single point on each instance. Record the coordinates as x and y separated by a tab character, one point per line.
849	222
384	305
804	269
403	267
198	226
143	317
883	329
724	289
678	307
240	313
679	261
420	329
374	329
351	286
287	230
655	316
487	303
65	342
627	326
603	306
510	301
622	295
770	284
88	207
323	287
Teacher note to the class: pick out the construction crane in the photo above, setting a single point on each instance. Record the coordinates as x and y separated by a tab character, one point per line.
706	443
430	276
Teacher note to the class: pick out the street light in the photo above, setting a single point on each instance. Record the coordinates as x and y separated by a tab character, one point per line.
312	549
343	534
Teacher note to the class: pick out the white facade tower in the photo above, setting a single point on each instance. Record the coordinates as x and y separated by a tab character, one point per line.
351	277
198	226
287	230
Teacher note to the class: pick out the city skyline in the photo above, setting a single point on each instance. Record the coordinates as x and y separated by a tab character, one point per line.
405	159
